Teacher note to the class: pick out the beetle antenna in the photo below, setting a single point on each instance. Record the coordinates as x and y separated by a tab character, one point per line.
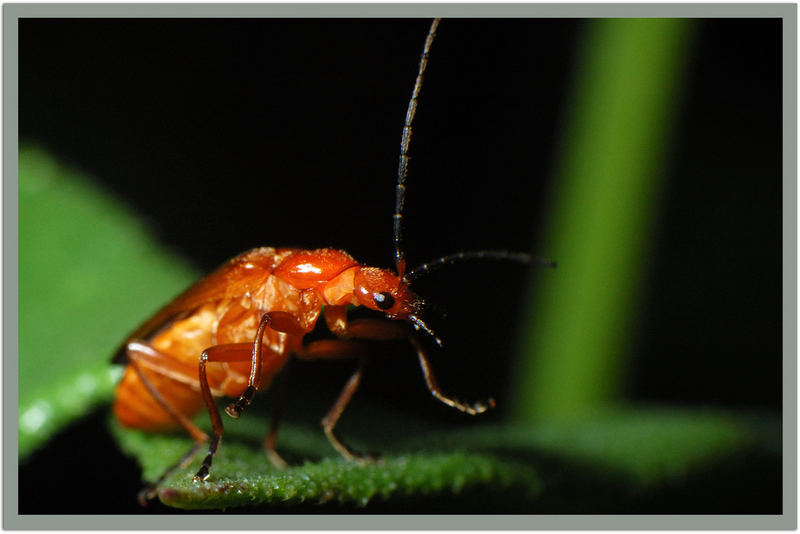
499	255
405	140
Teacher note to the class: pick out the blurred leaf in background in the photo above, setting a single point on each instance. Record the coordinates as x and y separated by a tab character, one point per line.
88	273
604	205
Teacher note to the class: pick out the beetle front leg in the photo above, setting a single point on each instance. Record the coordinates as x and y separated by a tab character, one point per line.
377	329
433	386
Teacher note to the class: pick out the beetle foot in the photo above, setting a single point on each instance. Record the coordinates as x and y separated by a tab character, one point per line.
364	458
480	407
235	409
202	474
276	459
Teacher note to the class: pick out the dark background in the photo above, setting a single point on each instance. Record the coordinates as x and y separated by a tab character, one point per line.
229	134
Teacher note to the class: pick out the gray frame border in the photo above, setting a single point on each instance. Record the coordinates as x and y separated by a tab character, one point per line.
11	518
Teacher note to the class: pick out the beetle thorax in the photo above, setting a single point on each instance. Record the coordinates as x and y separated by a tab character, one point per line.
339	290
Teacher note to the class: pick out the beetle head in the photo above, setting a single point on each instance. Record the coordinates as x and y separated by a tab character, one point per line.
384	291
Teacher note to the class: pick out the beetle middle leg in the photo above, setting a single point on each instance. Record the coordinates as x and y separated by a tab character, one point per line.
280	322
272	437
339	349
233	352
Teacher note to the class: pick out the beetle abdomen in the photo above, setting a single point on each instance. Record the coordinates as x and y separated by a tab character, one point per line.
135	407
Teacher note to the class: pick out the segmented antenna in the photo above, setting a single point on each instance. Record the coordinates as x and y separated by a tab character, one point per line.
500	255
402	169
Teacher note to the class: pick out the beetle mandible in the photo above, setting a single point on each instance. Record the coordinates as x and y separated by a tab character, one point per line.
230	333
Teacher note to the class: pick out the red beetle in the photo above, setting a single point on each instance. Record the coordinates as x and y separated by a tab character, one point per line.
233	331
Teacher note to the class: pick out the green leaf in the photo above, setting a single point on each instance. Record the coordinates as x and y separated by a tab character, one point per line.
88	273
607	461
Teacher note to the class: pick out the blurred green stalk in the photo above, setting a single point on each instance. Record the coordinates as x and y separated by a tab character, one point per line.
603	207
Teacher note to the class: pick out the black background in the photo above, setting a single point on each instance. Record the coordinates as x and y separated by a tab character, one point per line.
229	134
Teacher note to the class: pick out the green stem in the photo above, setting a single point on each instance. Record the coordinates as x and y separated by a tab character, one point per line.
604	205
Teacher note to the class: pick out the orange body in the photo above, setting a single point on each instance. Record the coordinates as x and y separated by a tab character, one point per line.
225	308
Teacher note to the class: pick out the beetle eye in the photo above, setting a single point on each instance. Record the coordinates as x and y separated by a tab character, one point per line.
383	300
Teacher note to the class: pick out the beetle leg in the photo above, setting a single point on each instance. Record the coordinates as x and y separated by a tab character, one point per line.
277	412
278	321
472	409
234	352
339	349
139	353
370	329
377	329
150	491
332	417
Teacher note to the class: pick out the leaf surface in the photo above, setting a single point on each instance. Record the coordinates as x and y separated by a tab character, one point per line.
89	271
614	458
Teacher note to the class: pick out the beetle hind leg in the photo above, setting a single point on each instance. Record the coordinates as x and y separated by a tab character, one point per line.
142	356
